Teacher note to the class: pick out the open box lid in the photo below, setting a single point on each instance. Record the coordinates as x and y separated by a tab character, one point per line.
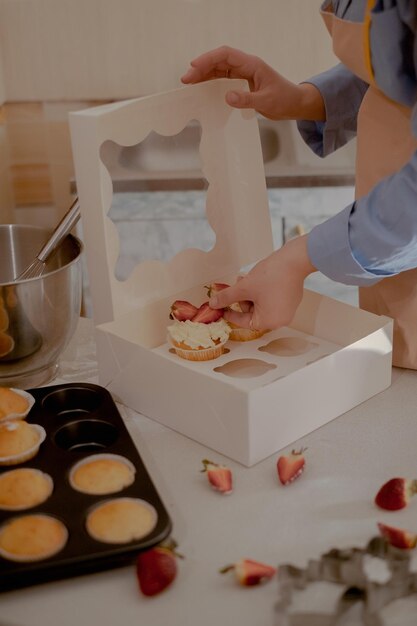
236	202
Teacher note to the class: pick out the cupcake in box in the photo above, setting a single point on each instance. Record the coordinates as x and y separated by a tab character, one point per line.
236	332
197	334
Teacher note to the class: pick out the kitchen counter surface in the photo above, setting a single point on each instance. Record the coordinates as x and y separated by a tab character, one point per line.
330	505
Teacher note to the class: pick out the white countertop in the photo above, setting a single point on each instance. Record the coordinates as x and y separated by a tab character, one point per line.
330	505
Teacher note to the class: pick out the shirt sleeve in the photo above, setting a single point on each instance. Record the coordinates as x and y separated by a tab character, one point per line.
342	93
374	237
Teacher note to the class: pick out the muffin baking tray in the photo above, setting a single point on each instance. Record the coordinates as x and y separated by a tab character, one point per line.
81	420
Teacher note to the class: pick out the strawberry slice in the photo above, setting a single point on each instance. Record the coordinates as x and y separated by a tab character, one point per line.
249	573
219	476
398	537
214	288
182	310
291	466
396	494
156	568
207	315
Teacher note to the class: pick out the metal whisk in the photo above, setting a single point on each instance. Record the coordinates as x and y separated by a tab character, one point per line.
37	267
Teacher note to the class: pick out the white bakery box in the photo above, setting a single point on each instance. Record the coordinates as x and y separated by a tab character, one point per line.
259	396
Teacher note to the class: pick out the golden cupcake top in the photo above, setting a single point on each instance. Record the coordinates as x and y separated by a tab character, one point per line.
121	520
17	437
23	488
32	537
102	474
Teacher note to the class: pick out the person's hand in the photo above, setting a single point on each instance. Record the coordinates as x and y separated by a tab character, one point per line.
270	94
271	292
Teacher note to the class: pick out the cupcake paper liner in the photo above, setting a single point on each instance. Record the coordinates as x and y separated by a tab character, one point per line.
199	354
19	416
15	459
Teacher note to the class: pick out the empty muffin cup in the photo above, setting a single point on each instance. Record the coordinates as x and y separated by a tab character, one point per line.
102	474
32	537
121	520
24	488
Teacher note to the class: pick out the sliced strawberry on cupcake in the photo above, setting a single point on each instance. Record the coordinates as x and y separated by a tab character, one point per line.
198	333
291	466
206	315
182	310
398	537
249	573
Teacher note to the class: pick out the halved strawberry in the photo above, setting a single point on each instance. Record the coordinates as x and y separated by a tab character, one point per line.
398	537
214	288
219	476
207	315
250	572
291	466
182	310
396	494
156	568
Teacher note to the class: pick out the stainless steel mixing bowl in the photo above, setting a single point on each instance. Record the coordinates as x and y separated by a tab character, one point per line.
37	316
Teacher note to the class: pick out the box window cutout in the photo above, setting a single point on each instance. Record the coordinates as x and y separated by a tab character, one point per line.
245	368
154	217
288	346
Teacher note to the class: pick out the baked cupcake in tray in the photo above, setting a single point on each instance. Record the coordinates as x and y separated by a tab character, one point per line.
197	334
19	441
24	488
32	537
15	403
102	474
121	520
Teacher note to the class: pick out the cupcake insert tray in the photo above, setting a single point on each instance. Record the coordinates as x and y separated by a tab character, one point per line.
81	421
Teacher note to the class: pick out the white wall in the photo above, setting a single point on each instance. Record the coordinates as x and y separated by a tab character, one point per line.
87	49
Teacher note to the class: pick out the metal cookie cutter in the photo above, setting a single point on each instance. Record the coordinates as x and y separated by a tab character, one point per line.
348	568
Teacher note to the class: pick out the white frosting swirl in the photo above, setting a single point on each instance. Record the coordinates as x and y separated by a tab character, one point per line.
198	335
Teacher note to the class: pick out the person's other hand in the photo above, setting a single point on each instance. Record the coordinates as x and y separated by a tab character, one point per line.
270	93
271	291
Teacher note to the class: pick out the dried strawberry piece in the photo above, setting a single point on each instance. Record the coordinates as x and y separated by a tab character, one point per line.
291	466
249	573
219	476
396	494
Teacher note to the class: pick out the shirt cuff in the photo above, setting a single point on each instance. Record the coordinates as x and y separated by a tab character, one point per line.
330	252
342	94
